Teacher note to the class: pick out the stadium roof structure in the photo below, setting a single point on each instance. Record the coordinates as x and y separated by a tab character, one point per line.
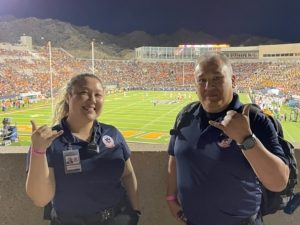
192	52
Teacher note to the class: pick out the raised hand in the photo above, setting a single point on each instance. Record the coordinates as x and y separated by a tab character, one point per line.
42	137
235	125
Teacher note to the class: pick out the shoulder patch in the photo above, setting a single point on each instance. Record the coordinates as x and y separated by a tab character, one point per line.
108	141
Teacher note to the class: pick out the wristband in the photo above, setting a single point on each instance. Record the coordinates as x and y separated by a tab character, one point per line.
171	198
37	152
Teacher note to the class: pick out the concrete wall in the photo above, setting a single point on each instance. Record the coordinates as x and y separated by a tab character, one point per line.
150	163
280	49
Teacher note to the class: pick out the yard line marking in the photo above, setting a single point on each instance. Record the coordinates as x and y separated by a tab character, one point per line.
25	110
159	118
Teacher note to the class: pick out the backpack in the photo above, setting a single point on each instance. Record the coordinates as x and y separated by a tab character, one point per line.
286	200
274	201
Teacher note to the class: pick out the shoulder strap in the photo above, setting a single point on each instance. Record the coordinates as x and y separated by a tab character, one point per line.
185	112
254	109
277	126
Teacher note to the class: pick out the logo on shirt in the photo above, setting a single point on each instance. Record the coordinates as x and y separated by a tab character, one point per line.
108	141
225	143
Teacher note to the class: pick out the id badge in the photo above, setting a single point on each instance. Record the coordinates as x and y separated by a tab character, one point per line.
72	161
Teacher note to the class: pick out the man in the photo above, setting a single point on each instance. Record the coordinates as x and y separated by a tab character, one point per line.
9	132
216	161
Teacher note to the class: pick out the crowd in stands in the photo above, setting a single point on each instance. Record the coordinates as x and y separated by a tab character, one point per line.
22	71
284	76
272	105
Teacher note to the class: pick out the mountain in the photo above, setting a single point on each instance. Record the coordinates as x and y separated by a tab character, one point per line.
250	40
77	39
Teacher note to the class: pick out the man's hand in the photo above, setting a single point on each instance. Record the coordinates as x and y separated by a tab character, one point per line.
235	125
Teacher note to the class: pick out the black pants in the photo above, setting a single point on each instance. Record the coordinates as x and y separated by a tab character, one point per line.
123	215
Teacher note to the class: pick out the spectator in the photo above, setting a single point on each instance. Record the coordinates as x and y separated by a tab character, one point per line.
217	158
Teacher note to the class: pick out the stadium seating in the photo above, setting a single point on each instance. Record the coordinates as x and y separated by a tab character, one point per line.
22	71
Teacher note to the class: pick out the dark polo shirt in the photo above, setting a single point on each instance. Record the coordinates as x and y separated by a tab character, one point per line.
216	184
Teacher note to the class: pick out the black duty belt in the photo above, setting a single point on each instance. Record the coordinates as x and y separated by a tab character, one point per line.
245	221
102	216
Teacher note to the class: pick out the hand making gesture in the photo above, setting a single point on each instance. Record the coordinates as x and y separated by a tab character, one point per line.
235	125
42	137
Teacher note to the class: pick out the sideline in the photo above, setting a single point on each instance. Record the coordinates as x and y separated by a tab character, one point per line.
24	110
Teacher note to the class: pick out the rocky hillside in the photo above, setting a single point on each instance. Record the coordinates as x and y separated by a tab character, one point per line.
77	40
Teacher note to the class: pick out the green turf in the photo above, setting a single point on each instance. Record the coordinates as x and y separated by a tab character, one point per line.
133	113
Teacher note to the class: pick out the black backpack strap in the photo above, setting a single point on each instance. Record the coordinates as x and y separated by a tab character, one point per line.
277	126
187	111
254	109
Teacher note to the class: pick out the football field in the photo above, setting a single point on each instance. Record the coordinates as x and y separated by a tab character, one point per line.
141	116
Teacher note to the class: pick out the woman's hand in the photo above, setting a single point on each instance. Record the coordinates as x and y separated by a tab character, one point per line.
42	137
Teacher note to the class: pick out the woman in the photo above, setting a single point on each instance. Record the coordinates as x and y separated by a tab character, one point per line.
81	165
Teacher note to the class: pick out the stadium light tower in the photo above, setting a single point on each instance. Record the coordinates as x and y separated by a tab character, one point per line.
51	77
93	57
183	74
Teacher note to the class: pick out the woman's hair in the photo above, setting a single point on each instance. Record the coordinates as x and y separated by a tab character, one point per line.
62	107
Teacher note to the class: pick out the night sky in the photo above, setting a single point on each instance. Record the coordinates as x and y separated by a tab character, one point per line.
278	19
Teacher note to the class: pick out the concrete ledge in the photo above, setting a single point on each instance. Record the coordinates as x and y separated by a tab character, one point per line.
150	163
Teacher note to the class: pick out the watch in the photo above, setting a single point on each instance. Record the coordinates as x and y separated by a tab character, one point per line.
249	142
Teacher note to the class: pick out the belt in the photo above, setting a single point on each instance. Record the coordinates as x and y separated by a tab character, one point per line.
101	216
245	221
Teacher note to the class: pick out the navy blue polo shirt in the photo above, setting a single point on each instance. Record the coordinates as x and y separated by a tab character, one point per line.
98	186
216	184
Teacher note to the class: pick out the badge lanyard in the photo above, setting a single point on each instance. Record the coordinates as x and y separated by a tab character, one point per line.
71	157
72	160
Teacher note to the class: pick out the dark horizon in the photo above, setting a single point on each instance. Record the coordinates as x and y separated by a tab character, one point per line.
273	19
